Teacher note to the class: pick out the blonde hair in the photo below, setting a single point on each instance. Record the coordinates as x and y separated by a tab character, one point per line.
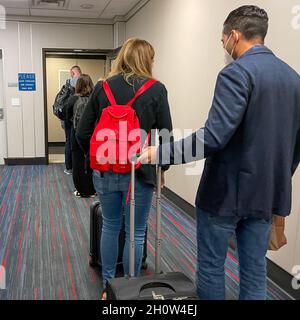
135	59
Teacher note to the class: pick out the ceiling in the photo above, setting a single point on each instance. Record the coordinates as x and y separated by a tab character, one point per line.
87	9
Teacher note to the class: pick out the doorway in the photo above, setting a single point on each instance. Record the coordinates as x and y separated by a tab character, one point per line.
57	65
3	141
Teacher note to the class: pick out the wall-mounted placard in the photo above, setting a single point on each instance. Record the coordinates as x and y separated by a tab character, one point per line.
27	82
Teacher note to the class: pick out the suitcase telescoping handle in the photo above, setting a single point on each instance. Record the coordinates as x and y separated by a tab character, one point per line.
158	223
132	220
132	217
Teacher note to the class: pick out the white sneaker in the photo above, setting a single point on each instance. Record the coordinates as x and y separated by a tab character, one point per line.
77	194
68	172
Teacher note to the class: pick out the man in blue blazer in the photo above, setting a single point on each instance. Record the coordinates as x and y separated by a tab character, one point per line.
252	144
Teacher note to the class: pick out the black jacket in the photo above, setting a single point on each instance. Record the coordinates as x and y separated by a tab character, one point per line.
251	139
152	109
70	107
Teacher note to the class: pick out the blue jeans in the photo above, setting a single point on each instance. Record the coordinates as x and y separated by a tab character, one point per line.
214	234
112	190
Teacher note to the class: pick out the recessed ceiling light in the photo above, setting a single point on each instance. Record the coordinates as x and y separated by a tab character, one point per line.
87	6
48	3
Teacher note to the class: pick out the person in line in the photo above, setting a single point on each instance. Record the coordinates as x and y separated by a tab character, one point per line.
82	175
252	144
75	73
132	69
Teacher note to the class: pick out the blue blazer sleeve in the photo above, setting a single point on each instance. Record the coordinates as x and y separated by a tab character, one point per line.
229	105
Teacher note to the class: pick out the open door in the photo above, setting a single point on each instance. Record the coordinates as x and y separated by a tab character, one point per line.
57	65
3	147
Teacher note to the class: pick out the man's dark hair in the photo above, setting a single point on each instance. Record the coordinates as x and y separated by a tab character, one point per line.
77	68
251	21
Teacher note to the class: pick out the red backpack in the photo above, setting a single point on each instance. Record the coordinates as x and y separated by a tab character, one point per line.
117	136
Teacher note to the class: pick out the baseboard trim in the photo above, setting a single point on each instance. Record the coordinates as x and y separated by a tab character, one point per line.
56	144
276	274
25	161
282	279
179	202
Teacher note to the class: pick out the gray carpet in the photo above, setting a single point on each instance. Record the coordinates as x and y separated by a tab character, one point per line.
44	239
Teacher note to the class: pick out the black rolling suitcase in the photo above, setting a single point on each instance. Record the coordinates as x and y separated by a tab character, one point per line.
95	237
169	286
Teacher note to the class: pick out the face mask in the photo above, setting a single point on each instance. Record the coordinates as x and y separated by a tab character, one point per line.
74	81
228	59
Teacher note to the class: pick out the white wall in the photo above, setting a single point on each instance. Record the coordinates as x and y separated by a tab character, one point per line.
119	34
22	44
186	35
2	122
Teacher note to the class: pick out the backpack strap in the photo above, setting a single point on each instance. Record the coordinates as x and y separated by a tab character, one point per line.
142	90
109	93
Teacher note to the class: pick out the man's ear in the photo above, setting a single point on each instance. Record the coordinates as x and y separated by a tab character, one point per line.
236	35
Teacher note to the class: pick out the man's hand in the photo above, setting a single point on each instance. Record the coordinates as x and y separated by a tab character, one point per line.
148	156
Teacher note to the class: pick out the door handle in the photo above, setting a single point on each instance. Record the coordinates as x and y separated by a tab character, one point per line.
1	114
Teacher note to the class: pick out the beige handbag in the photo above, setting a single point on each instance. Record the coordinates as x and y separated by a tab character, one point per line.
277	236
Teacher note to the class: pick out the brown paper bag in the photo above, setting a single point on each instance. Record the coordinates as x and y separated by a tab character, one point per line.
277	236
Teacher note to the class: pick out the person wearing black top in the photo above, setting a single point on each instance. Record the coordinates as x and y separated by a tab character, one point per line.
132	69
75	73
82	177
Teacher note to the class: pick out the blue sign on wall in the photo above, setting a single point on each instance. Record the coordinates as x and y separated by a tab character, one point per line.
27	82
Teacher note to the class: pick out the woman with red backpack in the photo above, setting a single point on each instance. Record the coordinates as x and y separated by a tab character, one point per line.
129	97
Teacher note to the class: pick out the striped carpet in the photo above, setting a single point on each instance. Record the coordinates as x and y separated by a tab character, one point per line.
44	239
